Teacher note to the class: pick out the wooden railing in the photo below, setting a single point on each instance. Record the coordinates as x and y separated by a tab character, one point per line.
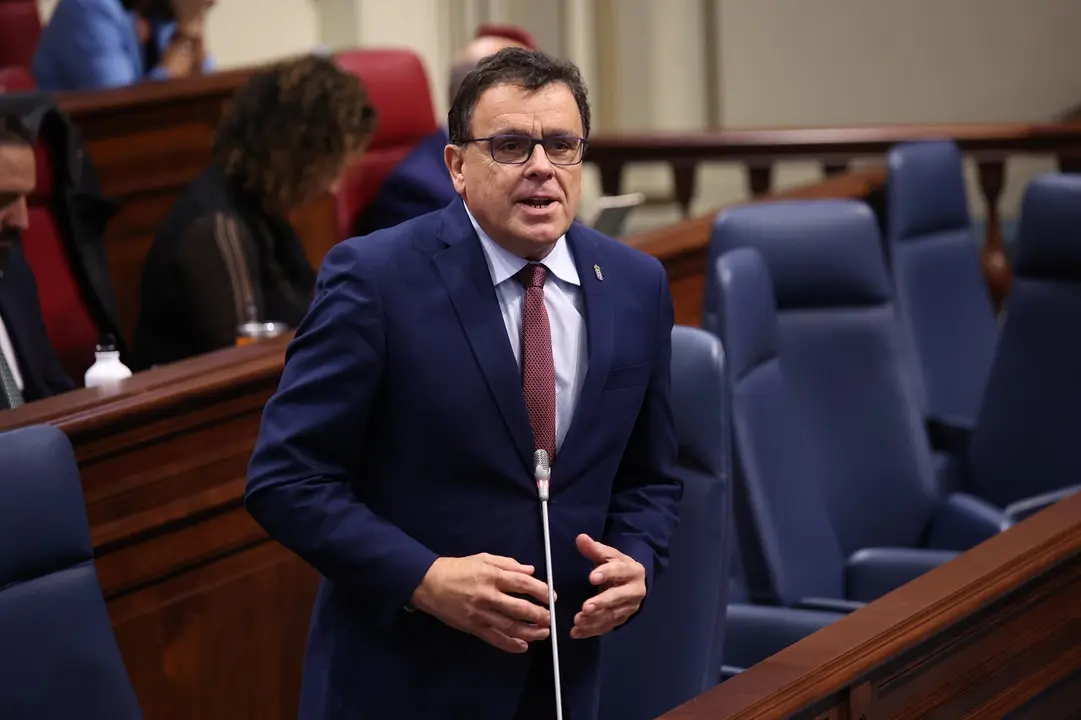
994	632
758	150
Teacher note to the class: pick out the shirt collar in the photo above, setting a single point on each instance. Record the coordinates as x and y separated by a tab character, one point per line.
503	264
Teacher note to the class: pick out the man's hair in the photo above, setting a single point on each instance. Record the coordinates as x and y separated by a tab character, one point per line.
13	131
530	70
292	125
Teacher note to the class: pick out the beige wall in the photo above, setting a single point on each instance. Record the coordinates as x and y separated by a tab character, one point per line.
678	63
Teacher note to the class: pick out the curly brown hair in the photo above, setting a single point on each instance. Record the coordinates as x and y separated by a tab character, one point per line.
291	128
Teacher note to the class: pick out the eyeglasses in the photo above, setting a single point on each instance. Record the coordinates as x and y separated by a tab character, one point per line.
517	149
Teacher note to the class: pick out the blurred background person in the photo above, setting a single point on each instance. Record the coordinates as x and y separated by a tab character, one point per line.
96	44
29	367
421	183
227	254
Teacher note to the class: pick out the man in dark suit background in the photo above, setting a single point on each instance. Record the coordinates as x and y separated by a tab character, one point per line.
29	368
420	183
396	456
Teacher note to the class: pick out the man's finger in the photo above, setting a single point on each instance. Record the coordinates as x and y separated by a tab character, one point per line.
516	582
597	552
520	609
611	598
512	628
506	563
617	572
497	639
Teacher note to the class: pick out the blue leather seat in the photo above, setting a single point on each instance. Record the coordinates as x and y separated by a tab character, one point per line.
942	300
1025	443
58	657
836	493
671	652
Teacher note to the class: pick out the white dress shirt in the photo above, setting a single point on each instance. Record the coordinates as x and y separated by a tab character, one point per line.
566	316
8	351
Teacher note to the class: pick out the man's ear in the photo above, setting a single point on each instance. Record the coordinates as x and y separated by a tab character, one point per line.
454	157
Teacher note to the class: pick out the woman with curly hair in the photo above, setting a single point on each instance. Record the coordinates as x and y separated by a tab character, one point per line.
227	255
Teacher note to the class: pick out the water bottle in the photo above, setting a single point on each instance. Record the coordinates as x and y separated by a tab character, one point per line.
107	368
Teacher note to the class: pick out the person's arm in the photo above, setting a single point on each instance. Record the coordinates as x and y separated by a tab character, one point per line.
95	56
312	439
217	279
643	513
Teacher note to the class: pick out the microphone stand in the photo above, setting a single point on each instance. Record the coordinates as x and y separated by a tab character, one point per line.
542	472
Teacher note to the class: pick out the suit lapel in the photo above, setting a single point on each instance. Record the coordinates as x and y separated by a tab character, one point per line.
469	283
599	338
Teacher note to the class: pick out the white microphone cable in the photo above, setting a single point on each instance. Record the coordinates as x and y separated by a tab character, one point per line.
542	473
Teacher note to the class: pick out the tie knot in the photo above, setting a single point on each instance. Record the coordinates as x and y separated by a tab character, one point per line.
532	275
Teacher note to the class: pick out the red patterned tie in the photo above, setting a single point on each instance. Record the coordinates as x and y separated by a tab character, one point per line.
538	368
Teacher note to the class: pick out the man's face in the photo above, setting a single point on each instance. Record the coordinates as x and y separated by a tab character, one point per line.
527	207
17	180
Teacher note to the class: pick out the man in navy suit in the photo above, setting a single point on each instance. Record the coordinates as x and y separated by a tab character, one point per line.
29	368
420	183
397	456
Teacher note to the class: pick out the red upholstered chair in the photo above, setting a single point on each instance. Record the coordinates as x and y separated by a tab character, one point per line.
20	26
507	32
397	85
15	79
72	330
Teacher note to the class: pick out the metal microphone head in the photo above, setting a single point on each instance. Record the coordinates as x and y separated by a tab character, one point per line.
540	464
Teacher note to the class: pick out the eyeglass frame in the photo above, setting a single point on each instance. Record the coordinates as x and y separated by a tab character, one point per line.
533	143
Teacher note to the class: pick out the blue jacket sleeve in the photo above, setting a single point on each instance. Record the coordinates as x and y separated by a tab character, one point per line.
643	513
307	459
96	56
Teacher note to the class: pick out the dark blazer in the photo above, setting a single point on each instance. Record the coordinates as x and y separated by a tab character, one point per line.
217	261
42	373
399	433
419	184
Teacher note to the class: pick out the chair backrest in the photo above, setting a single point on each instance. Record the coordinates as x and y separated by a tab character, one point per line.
398	88
787	544
671	652
1026	438
15	79
60	658
20	27
840	348
49	251
942	299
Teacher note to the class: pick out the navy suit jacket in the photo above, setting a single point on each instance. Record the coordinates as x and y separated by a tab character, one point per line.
42	373
419	184
399	433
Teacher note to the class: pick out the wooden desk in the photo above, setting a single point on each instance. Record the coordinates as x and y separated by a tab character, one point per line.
683	247
147	142
211	616
994	632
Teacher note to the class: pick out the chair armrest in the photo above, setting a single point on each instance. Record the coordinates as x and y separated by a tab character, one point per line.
754	632
951	434
872	572
833	605
963	521
1018	511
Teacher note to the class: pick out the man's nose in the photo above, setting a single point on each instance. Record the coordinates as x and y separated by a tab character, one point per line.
15	216
538	162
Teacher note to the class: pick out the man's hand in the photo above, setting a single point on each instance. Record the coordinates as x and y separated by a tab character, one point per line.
624	581
191	16
473	594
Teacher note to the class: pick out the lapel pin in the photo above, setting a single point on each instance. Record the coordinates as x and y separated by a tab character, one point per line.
597	272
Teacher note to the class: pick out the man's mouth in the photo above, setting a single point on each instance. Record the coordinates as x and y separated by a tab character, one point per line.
536	202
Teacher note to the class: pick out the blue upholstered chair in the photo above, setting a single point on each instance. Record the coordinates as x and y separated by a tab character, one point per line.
1025	443
836	495
671	652
946	312
58	657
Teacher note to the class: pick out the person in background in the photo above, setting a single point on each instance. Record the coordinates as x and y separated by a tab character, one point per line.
29	368
420	183
226	254
397	456
98	44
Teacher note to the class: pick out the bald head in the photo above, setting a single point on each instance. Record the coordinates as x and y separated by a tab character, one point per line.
467	58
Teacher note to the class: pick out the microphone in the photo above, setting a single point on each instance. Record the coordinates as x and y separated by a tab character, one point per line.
542	473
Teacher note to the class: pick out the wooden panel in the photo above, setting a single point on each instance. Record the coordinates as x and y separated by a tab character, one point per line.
684	246
211	615
147	142
994	632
